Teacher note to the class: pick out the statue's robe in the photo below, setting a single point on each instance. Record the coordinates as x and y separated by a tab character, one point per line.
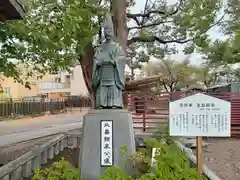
108	77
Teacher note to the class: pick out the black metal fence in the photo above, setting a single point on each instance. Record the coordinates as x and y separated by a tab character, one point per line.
13	108
21	108
78	101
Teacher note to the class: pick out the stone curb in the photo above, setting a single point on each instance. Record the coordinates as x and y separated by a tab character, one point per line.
24	166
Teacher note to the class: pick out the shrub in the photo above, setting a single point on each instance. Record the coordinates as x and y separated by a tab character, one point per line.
115	173
61	170
171	164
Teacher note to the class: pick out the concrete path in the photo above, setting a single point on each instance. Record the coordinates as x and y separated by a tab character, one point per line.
34	134
30	124
15	131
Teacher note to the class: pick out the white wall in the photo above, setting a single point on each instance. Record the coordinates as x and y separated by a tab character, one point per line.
78	86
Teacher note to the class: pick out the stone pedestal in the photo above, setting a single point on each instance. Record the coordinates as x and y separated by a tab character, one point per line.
90	151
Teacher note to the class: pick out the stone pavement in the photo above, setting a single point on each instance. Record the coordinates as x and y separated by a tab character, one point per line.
222	155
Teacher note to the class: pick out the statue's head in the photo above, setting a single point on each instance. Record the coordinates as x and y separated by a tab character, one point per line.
108	28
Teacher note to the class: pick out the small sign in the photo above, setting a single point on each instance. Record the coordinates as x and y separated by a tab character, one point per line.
106	143
200	115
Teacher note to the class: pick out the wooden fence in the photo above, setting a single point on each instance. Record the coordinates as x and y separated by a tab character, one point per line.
150	109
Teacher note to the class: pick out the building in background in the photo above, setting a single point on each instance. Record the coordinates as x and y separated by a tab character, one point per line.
49	86
64	84
16	90
233	87
10	10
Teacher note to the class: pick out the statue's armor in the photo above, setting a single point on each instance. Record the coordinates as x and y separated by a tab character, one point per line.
107	74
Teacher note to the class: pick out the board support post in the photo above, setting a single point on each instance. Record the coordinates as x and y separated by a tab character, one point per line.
199	155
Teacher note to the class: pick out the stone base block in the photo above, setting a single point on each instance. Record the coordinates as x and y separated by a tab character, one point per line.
90	154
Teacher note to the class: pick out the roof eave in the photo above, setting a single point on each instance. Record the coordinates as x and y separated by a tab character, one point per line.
18	7
11	10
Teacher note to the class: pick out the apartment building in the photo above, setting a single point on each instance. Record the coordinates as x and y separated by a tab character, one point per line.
17	90
64	84
50	86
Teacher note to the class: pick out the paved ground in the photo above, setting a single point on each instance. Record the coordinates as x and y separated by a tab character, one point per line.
222	155
34	134
26	129
13	151
31	128
9	153
36	123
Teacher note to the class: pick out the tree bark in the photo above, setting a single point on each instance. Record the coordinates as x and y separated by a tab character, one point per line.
132	74
118	9
86	61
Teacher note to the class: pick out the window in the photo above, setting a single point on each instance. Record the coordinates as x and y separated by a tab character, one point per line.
67	76
57	79
7	90
45	85
67	79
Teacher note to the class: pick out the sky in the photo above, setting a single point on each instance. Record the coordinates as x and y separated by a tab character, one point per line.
196	57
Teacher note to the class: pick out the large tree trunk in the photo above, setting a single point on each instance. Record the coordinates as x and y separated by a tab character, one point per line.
86	61
118	9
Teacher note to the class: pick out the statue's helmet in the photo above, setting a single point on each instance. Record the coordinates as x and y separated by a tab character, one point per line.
108	26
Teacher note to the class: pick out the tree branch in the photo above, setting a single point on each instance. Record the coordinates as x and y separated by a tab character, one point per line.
135	18
180	40
149	13
145	8
149	25
155	38
164	85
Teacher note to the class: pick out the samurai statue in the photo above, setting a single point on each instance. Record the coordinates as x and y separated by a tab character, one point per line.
108	79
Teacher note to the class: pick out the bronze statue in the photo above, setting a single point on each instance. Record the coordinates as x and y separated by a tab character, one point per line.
109	70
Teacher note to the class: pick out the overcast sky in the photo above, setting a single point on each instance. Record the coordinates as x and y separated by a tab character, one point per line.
195	58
